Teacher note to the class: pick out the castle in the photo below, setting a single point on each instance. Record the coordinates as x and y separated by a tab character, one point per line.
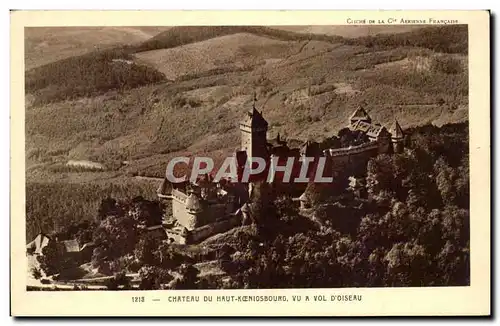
204	208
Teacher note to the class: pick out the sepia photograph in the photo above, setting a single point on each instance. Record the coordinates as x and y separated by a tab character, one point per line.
248	157
108	108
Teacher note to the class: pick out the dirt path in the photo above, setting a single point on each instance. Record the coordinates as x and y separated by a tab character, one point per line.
138	177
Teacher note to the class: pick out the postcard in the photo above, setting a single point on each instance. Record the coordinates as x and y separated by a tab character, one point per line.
250	163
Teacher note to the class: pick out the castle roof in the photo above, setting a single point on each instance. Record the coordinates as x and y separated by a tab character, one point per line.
372	130
375	130
254	119
396	130
163	189
89	245
205	180
71	245
39	243
360	114
193	203
276	142
304	197
309	148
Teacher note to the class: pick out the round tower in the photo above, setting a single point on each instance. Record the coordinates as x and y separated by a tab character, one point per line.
194	211
397	137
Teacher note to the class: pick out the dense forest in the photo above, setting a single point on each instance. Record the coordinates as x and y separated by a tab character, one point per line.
88	75
448	39
53	206
411	230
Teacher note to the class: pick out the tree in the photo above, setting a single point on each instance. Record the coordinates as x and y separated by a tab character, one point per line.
145	212
380	176
37	274
188	278
107	207
346	137
53	259
145	251
445	181
407	265
462	185
120	279
115	237
153	277
453	265
455	225
259	204
167	257
332	142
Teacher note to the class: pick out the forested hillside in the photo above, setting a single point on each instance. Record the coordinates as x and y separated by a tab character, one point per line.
413	231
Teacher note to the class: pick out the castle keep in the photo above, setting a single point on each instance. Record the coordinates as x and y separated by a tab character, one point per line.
204	208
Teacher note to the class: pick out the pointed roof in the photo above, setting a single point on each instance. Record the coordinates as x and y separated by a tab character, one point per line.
164	187
374	131
304	197
87	245
310	147
371	130
40	242
396	130
360	114
276	142
254	119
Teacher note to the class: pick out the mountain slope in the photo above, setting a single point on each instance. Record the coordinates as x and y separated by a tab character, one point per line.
181	35
227	52
350	31
87	75
306	89
48	44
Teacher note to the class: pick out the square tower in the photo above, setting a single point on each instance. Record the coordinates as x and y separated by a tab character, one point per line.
254	134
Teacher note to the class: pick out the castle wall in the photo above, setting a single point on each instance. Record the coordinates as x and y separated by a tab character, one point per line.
353	161
201	233
363	148
385	143
191	221
214	212
217	212
180	213
246	140
176	236
398	146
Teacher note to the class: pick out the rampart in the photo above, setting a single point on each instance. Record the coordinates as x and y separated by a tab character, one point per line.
208	230
352	160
